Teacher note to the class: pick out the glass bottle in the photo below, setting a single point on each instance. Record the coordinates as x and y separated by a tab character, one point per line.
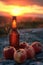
14	35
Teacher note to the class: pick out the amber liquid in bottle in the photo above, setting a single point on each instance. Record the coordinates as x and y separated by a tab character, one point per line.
14	35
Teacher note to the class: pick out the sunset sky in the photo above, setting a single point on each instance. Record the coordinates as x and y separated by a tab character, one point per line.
22	7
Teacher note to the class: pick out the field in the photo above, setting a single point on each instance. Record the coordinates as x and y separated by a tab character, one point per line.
26	35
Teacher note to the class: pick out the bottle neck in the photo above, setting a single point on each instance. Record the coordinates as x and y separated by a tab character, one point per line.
14	29
14	24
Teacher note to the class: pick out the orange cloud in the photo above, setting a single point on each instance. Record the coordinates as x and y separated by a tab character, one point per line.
21	10
23	2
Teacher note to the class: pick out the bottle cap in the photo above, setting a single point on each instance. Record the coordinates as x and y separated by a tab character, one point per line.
14	18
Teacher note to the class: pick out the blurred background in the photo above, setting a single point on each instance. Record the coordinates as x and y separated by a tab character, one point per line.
23	22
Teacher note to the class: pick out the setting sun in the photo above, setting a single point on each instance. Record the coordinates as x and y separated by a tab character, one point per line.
16	11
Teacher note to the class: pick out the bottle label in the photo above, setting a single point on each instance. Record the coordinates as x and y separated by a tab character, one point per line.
14	39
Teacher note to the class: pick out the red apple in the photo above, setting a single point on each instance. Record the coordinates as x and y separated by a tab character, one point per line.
23	45
30	52
37	46
20	56
8	52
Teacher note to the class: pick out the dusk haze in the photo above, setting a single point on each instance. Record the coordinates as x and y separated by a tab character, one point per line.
22	7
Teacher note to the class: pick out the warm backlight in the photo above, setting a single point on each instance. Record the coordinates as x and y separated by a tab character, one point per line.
14	25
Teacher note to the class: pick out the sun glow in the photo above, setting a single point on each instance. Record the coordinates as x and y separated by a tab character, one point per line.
16	11
21	10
